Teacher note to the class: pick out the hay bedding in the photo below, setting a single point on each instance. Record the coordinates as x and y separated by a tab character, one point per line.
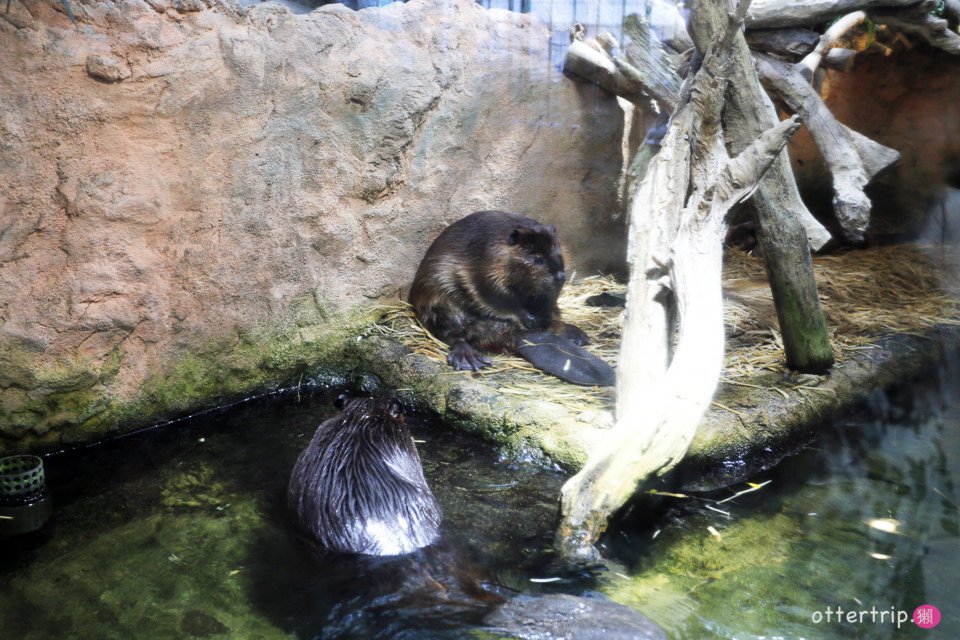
866	295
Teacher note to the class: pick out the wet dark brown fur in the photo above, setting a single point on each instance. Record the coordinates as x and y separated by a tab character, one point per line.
358	487
486	279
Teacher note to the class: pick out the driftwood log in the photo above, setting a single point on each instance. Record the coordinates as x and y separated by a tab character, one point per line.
654	67
678	218
783	42
824	45
680	209
782	220
591	63
853	159
765	14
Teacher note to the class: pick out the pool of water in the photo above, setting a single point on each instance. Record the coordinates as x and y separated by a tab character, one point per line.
181	532
865	519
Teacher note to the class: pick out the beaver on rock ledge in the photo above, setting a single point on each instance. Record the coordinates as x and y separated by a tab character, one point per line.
490	282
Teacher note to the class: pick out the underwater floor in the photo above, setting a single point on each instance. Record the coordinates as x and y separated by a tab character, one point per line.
180	532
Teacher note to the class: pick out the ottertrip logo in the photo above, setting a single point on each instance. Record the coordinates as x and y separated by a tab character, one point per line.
926	616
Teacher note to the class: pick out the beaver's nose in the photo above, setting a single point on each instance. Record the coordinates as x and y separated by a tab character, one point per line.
560	277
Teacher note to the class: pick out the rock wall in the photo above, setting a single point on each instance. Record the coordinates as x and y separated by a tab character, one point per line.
195	196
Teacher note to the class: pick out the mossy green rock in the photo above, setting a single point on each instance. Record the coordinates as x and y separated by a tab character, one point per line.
47	405
74	591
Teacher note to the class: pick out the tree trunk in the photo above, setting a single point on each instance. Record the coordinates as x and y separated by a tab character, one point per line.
777	207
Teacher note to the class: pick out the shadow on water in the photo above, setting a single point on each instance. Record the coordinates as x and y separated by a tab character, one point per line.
432	593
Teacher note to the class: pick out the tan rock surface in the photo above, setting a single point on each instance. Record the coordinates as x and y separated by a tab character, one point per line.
173	176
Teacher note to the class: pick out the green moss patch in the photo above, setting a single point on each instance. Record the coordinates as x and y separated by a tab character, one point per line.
46	405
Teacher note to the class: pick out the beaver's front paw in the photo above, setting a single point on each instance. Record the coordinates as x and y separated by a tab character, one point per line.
463	357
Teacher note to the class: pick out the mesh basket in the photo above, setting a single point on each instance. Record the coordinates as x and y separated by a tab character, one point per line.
21	478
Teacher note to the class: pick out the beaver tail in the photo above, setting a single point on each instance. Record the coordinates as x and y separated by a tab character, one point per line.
561	357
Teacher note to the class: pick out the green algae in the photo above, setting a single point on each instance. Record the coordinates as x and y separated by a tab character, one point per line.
48	404
180	572
40	396
193	489
744	583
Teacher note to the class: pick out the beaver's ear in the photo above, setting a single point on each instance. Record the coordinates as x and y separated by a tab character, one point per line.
518	234
553	229
341	400
395	409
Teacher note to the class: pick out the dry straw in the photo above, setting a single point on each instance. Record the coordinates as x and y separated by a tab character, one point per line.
866	295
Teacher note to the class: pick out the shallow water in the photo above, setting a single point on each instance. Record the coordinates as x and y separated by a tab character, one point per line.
819	535
180	532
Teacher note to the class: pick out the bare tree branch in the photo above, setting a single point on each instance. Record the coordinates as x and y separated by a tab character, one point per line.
765	14
836	31
853	159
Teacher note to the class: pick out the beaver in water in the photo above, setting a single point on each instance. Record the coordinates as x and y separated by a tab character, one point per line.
490	282
358	487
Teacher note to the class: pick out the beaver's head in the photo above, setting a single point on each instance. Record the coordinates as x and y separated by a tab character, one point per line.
378	422
535	271
538	256
362	410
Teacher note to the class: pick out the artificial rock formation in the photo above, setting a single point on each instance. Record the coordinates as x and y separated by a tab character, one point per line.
192	192
908	101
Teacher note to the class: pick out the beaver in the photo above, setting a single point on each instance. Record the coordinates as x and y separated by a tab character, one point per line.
490	282
358	487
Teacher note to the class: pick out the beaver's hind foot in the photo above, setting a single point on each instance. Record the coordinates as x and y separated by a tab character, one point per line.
574	334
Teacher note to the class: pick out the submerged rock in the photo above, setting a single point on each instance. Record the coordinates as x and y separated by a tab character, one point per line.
557	616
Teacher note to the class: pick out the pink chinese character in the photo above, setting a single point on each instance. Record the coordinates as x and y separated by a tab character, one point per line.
926	616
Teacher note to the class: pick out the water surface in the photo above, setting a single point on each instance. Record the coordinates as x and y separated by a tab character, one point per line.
180	532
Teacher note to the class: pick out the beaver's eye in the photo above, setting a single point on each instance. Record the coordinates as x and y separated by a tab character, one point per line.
538	260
